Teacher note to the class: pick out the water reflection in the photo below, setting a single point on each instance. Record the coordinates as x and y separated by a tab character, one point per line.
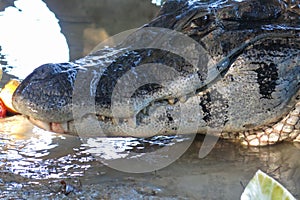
116	147
34	153
30	36
45	156
42	154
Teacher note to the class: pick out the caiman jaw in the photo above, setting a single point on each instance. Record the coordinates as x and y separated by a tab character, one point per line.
288	128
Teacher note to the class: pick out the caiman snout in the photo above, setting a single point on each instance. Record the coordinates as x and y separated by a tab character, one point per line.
46	93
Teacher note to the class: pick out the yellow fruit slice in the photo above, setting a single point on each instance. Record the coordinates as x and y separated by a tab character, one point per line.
7	92
264	187
1	74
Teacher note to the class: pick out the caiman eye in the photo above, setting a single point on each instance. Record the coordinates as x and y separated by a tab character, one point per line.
200	22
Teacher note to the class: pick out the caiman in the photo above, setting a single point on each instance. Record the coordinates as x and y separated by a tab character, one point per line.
244	86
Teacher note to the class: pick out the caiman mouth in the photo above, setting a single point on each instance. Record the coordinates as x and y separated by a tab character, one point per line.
287	128
249	91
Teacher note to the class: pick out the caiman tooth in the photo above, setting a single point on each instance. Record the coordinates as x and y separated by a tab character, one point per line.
101	117
115	121
200	94
183	99
171	101
132	122
144	111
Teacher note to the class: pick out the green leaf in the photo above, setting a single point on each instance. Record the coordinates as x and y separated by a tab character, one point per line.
264	187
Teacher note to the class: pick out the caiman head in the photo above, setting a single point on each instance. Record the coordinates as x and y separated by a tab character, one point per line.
245	83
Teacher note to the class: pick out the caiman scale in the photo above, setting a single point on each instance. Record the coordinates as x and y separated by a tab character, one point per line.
247	84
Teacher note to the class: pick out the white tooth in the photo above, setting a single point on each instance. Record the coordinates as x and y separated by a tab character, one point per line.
171	101
183	99
132	122
200	93
115	121
193	25
101	117
144	111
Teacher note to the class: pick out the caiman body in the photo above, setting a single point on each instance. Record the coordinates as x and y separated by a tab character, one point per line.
244	86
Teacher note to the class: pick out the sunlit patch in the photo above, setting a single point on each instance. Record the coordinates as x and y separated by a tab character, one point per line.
30	36
43	154
117	148
158	2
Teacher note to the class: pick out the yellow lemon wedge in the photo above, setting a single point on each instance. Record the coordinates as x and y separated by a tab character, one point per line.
264	187
7	92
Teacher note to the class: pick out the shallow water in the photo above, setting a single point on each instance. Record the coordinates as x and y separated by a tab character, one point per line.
35	164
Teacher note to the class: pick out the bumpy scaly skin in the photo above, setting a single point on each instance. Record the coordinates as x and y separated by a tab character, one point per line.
253	97
285	129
